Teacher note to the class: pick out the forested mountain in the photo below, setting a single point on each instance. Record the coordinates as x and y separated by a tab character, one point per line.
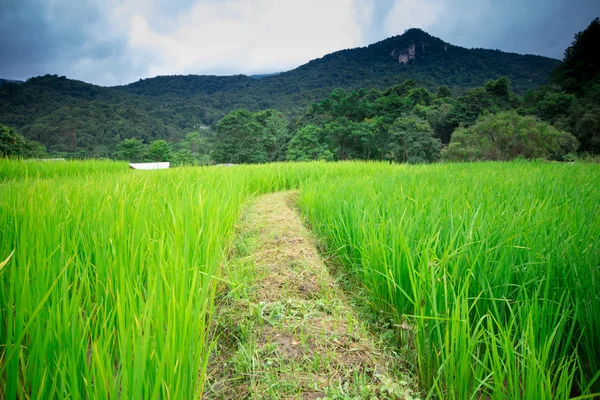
414	55
3	81
88	120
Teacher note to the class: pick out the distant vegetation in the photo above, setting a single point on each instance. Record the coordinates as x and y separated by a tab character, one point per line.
14	145
78	120
319	111
508	135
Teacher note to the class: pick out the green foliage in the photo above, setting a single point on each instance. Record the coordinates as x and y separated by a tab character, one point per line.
183	157
194	149
308	144
548	103
357	125
14	145
240	139
132	150
489	270
350	140
159	151
250	138
420	96
439	118
506	136
499	88
11	143
69	116
275	133
494	97
401	89
584	121
195	143
443	92
353	106
573	104
581	65
34	149
412	140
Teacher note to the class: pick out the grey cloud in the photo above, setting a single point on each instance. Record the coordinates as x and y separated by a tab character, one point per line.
375	29
542	27
40	37
162	14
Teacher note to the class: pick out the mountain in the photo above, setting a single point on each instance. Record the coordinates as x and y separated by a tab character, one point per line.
4	81
69	115
261	76
421	57
415	55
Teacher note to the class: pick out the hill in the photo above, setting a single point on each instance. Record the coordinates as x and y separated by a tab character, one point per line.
4	81
68	115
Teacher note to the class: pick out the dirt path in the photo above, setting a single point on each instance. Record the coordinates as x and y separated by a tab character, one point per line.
285	328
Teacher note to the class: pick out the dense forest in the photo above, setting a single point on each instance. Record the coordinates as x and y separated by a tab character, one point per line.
85	120
419	91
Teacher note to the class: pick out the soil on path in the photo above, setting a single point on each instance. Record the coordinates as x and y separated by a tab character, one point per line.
284	327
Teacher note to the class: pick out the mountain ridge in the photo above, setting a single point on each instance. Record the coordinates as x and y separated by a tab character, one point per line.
412	33
68	115
379	54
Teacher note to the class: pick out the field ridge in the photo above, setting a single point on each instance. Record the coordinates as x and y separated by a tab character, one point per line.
285	328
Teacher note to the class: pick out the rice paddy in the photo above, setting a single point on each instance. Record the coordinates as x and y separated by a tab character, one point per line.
486	272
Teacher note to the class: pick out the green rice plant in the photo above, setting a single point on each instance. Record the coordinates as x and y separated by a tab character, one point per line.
108	275
109	290
494	265
22	169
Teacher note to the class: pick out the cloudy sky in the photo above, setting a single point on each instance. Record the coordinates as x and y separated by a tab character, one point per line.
111	42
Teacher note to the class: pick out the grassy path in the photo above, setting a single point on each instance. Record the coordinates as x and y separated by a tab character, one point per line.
285	329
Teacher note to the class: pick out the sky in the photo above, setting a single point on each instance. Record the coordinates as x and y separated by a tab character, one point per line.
113	42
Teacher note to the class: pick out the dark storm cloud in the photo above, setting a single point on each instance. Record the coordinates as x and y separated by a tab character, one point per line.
118	41
543	27
376	26
37	36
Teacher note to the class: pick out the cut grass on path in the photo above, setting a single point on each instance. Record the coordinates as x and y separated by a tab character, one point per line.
285	330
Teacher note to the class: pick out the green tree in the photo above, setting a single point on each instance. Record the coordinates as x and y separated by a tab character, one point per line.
420	96
349	139
308	144
11	143
196	143
584	122
239	139
499	88
401	89
438	117
276	133
193	150
508	135
412	140
581	63
549	103
443	92
34	149
160	151
132	150
354	106
183	157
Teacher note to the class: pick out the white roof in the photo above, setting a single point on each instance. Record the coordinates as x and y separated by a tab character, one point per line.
149	166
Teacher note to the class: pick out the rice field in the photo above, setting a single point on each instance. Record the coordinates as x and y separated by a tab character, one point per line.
488	271
492	269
